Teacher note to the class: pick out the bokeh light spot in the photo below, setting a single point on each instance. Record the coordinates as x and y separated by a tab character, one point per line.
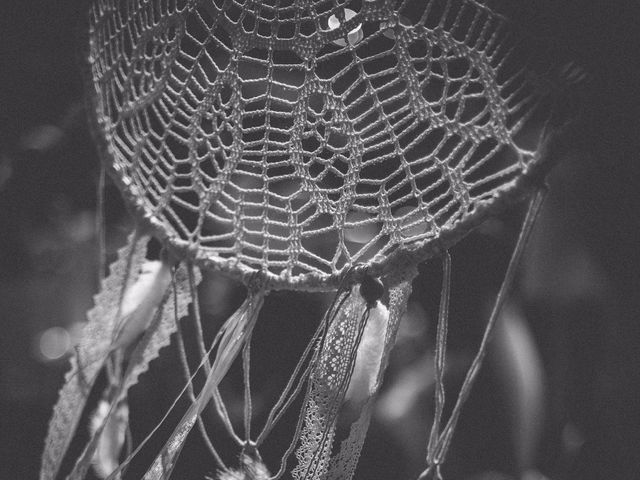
54	343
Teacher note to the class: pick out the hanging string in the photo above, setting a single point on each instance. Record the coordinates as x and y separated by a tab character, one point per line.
153	431
325	395
246	367
507	282
235	332
185	365
440	356
219	406
342	295
285	399
101	224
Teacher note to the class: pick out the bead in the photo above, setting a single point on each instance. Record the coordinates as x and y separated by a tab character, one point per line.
371	289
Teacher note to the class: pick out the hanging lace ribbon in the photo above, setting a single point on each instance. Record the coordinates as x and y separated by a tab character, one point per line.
350	362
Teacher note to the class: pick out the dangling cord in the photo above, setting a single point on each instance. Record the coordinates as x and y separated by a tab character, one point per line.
527	226
217	399
440	356
202	351
285	399
185	363
222	412
246	380
220	408
101	224
246	368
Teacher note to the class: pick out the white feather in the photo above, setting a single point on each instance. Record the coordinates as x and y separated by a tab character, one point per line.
369	356
251	469
106	457
141	300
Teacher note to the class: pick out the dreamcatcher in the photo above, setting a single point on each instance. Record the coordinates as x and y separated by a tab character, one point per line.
317	145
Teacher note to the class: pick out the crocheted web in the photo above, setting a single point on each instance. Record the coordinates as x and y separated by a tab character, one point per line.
301	137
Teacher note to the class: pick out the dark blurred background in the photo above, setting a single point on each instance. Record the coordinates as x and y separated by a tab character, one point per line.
565	365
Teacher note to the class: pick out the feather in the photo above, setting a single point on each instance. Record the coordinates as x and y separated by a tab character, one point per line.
368	356
251	469
229	341
106	458
343	464
344	352
92	351
156	336
141	300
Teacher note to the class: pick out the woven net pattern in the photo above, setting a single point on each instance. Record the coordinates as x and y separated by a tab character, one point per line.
301	137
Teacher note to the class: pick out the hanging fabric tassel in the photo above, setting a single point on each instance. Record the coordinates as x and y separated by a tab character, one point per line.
165	315
348	369
343	465
229	342
92	350
327	386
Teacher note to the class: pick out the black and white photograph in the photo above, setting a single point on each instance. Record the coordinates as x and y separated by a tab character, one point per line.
319	240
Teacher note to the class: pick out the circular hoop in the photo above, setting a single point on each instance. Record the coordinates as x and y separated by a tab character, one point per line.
301	143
